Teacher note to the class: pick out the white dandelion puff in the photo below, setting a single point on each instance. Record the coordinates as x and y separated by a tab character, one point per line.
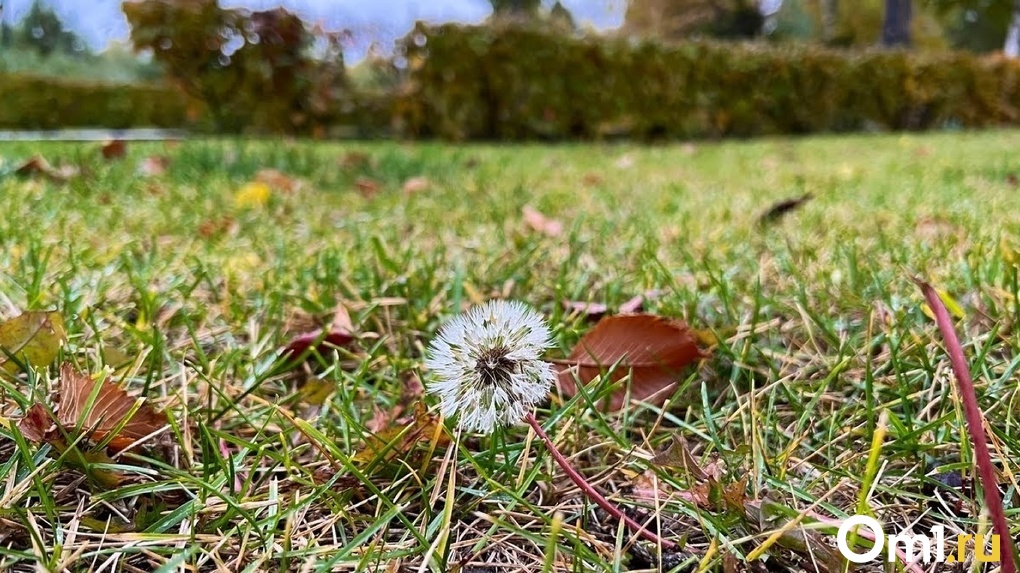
487	365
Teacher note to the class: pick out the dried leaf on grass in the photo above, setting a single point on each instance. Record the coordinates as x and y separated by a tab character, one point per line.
153	166
651	349
38	166
783	208
32	337
678	455
592	310
539	223
338	334
367	187
278	181
400	437
103	412
416	185
113	149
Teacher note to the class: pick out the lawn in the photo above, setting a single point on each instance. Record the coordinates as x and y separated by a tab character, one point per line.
186	286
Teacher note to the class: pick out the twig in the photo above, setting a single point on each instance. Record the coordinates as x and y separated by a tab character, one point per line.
590	491
975	424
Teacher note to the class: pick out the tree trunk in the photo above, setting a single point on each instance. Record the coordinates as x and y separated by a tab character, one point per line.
1012	47
896	29
830	13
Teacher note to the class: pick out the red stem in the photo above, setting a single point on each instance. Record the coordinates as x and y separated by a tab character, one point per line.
590	491
975	424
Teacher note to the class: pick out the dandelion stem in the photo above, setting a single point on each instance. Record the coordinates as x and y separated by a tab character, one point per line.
590	491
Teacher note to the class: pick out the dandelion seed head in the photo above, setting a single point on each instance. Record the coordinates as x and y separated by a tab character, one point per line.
487	365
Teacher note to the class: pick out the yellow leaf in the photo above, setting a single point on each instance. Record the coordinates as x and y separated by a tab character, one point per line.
952	306
254	194
35	337
1010	251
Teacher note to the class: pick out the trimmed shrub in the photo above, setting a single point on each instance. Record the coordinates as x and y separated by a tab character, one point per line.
36	102
513	82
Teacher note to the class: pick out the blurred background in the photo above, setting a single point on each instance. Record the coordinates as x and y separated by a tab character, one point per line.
510	69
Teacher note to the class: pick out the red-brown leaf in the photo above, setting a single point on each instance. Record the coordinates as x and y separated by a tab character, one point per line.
112	405
114	149
36	425
339	334
652	349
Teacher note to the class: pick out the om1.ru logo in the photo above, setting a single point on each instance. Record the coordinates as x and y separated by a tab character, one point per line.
921	543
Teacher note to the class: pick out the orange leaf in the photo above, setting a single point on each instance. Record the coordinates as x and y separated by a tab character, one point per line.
650	348
278	180
112	406
416	185
367	187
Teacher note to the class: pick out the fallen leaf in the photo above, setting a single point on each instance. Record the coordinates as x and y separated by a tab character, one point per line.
677	455
652	349
782	208
950	303
637	303
37	165
33	337
254	194
401	437
36	425
114	149
367	187
592	310
104	415
1013	180
540	223
153	166
416	185
278	180
354	160
339	334
591	179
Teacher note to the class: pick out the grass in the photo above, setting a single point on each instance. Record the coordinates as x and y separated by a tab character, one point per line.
820	335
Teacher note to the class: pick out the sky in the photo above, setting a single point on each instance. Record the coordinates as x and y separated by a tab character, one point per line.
99	22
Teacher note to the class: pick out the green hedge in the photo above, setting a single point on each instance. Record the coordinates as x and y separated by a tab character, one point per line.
517	83
37	102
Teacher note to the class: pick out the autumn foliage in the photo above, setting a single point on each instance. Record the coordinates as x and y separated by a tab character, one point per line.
252	70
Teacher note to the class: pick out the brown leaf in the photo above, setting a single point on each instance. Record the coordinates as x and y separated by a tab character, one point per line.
367	187
114	149
782	208
401	437
112	406
38	165
416	185
652	349
540	223
677	455
153	165
354	160
591	179
278	180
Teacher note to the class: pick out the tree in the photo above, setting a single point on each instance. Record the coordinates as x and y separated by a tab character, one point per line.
42	30
896	27
679	19
561	18
249	68
515	9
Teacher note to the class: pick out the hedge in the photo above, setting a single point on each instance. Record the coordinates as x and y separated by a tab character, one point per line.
509	82
37	102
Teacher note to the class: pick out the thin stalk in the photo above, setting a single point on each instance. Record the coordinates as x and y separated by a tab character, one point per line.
975	424
590	490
